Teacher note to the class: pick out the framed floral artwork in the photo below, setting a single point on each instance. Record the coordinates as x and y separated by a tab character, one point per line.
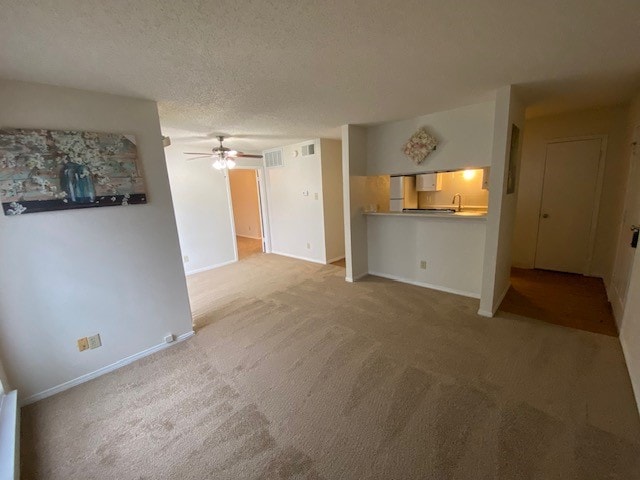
419	146
44	170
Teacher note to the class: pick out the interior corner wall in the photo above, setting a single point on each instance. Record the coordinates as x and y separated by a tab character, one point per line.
67	274
202	211
295	201
245	202
496	269
538	131
333	208
354	180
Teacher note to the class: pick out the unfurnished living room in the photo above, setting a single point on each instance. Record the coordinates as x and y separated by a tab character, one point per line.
346	240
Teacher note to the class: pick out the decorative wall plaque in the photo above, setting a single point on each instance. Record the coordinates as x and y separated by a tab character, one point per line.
419	146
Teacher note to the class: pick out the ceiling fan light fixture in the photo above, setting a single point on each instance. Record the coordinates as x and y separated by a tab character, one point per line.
230	163
219	164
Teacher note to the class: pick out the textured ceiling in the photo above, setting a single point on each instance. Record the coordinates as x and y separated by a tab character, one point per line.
273	70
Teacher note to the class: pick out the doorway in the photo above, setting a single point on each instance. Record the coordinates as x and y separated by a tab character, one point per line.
559	288
569	205
244	186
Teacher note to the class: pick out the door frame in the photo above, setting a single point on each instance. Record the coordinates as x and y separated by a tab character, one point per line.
262	207
598	193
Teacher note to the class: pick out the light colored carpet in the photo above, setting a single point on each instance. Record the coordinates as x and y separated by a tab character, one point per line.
295	373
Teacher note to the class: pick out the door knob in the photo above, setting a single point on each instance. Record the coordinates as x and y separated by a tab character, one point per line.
545	215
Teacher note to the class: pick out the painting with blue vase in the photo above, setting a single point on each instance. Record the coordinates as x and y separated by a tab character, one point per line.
44	170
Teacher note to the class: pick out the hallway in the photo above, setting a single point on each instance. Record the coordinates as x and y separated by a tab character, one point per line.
565	299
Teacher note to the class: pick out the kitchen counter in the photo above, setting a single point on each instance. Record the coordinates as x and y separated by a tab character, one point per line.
471	215
444	251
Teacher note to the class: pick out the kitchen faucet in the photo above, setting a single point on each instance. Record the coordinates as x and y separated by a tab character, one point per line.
459	201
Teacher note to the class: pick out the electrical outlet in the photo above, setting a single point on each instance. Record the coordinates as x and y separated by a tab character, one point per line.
94	341
169	338
186	259
315	195
423	264
83	344
308	246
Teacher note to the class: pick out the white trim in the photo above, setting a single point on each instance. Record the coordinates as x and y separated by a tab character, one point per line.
210	267
331	260
489	314
313	260
231	217
426	285
101	371
9	436
356	278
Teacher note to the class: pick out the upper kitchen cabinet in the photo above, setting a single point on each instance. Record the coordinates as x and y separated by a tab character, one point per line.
429	182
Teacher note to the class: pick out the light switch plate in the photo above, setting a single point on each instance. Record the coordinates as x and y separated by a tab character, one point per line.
94	341
83	344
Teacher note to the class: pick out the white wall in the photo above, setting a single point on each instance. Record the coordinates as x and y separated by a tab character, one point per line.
355	197
465	135
610	122
295	218
453	249
68	274
496	271
246	204
333	209
630	321
202	211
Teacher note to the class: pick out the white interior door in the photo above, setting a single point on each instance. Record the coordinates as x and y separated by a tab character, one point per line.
568	208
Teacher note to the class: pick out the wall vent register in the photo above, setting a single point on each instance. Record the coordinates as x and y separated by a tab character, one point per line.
273	159
308	149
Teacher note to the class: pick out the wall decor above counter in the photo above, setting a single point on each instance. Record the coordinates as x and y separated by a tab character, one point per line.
419	146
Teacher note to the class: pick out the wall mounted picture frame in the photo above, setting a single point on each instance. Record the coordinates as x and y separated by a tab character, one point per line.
46	170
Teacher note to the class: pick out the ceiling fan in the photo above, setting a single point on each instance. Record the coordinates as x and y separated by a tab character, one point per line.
223	157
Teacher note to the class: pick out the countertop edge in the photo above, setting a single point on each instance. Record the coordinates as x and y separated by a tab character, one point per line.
448	216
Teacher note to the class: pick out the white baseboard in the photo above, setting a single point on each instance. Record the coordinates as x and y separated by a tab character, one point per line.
496	306
101	371
426	285
297	257
210	267
9	436
634	373
356	278
331	260
248	236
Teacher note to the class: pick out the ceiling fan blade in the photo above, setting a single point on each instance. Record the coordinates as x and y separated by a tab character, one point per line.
195	153
197	158
247	155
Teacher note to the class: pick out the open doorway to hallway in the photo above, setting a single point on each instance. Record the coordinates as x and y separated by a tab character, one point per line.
247	212
562	232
